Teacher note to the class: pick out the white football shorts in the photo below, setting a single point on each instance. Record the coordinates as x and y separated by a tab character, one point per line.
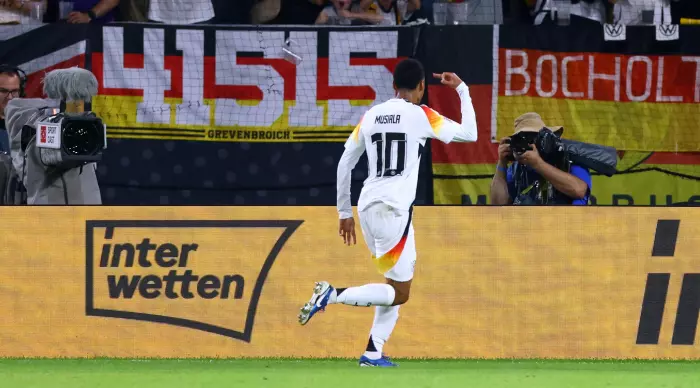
389	235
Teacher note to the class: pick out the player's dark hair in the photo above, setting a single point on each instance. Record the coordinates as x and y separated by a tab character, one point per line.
408	74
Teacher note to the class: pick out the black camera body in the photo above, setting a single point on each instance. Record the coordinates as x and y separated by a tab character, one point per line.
521	142
553	149
79	138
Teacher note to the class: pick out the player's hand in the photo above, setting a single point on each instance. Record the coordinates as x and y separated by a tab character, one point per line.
448	79
504	151
346	230
530	158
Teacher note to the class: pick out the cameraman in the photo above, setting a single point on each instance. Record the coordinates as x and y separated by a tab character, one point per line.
56	141
530	180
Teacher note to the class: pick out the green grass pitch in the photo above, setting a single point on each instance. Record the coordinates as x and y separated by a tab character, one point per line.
191	373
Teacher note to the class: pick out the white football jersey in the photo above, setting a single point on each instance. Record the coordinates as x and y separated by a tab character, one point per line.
393	134
180	11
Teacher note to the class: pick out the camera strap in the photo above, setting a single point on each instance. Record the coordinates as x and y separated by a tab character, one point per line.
544	194
527	189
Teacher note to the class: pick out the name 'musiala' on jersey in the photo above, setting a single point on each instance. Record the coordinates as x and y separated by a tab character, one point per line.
388	119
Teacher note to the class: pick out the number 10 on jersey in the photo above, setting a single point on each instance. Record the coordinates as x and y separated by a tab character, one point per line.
391	153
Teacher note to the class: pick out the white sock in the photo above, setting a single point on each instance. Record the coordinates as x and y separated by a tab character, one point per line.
385	318
365	296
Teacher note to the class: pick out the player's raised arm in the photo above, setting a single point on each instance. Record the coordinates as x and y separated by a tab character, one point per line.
354	148
445	129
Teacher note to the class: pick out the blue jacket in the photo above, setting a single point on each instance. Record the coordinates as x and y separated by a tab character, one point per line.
532	176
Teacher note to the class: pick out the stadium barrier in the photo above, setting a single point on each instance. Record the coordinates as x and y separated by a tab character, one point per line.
228	282
270	88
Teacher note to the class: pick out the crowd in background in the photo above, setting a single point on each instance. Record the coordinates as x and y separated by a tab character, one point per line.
352	12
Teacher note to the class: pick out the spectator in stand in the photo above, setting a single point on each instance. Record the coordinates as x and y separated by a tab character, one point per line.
294	12
424	11
633	12
518	11
347	12
265	11
241	11
581	12
133	10
93	11
13	11
181	11
392	12
685	11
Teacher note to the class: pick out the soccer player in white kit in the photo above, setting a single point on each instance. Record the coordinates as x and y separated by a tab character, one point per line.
393	134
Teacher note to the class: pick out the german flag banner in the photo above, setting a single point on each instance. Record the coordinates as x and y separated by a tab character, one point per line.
639	95
39	48
636	95
226	83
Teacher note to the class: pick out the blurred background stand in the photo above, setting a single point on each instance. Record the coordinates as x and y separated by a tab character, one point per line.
450	12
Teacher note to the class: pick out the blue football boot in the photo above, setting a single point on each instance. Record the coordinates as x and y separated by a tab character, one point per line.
384	362
318	302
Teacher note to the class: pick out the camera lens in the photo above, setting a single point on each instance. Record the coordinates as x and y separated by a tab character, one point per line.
82	138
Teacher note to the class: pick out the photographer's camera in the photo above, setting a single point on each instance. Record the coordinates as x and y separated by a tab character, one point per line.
70	140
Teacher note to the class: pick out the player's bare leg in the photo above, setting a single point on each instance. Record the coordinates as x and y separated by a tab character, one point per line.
402	290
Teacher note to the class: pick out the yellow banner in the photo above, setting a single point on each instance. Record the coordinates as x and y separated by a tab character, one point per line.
657	127
123	123
228	282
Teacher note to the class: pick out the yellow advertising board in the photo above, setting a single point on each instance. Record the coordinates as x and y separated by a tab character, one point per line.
569	282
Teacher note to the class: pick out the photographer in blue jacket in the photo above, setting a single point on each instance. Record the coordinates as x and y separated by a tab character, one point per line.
534	169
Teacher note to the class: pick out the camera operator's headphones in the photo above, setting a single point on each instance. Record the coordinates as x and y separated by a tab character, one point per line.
20	74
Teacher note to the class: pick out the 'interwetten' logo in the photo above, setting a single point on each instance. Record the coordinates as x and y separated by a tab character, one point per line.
194	274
